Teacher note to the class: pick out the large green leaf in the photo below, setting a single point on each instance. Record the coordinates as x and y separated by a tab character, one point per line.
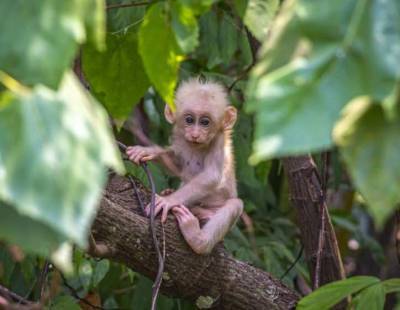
346	50
296	107
330	294
39	39
259	15
369	144
160	52
41	239
116	76
371	298
55	147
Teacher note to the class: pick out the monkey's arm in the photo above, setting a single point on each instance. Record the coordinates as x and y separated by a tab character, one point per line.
165	156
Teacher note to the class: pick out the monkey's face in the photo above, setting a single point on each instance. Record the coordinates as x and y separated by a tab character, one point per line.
199	129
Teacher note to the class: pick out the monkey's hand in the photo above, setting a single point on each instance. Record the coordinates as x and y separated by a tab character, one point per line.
164	203
140	154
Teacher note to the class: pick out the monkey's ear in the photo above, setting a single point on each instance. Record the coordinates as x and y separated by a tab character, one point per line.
230	117
169	115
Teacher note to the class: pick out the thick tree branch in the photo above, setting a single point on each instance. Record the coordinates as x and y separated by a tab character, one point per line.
217	278
308	199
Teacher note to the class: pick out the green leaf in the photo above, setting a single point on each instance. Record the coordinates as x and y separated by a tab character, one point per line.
259	15
10	230
160	52
228	38
39	39
295	106
184	24
391	285
369	144
209	39
65	303
116	76
100	270
55	149
240	7
330	294
334	56
371	298
379	40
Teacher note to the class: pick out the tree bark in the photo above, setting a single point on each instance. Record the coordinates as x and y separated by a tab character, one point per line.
307	197
216	280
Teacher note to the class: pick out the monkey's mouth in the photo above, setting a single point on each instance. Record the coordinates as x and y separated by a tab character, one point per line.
194	142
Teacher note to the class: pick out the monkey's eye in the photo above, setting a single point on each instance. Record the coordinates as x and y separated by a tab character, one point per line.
189	119
204	122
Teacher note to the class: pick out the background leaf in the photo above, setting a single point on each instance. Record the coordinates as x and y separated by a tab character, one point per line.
116	76
259	15
369	144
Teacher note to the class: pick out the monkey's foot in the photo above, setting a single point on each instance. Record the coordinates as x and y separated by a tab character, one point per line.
190	229
167	191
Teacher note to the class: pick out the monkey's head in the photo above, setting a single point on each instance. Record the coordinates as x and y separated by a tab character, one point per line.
202	112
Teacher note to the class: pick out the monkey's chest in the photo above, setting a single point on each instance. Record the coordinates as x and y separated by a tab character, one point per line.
191	167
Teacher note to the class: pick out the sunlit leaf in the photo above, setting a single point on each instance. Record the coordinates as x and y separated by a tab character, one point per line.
160	52
54	151
116	76
47	37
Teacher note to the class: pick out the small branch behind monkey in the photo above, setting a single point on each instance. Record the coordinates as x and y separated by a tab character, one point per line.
127	5
160	256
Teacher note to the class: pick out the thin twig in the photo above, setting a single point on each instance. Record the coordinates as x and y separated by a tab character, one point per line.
397	234
126	5
76	295
160	256
43	279
293	263
6	293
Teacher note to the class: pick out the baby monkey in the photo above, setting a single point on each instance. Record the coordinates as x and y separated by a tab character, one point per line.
202	151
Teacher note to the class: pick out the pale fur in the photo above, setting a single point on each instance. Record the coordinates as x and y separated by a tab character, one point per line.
207	169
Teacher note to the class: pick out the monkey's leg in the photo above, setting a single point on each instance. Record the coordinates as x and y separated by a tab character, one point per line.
202	240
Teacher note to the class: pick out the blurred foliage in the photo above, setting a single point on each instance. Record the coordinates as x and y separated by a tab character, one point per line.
326	78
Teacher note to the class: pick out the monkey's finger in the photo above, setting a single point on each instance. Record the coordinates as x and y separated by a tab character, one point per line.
177	210
147	157
147	210
184	216
138	157
185	210
164	214
158	209
178	217
131	151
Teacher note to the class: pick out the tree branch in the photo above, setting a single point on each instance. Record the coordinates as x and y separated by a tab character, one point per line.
216	279
127	5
